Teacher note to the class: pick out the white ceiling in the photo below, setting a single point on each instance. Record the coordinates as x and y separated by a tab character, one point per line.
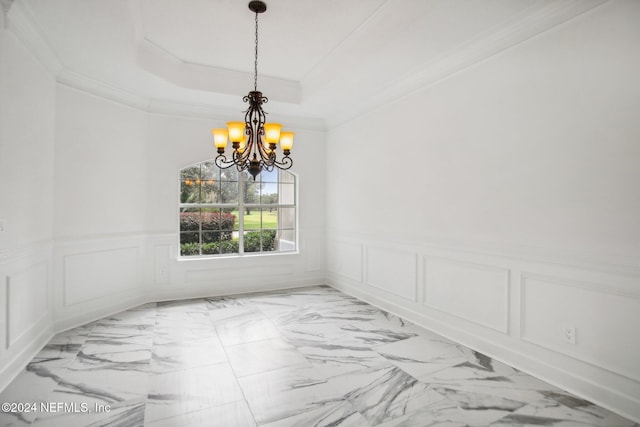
325	59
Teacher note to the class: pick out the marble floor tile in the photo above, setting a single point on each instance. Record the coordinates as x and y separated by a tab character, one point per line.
234	414
305	357
289	393
175	326
213	303
76	335
34	384
372	334
483	375
339	414
183	354
261	356
337	358
384	392
243	326
419	356
8	419
101	384
558	408
442	413
125	413
180	392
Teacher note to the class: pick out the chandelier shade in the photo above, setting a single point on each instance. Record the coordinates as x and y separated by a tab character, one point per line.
254	142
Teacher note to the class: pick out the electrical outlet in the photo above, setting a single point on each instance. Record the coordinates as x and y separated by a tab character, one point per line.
569	334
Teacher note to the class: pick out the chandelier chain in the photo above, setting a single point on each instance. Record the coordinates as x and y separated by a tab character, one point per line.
254	141
255	64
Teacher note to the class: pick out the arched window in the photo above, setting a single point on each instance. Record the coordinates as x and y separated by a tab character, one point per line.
227	212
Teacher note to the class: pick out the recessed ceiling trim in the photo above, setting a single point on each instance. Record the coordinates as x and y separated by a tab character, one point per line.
163	64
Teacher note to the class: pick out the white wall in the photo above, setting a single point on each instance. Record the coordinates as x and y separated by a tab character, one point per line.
508	204
100	206
116	211
27	97
176	142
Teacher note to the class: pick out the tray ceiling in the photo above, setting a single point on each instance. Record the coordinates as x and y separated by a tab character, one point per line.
324	59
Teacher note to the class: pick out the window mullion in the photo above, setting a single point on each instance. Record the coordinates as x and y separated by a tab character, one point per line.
240	217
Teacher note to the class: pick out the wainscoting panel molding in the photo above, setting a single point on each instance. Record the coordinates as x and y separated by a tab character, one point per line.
345	259
27	301
591	312
26	306
392	270
162	263
313	249
93	275
226	274
466	290
514	307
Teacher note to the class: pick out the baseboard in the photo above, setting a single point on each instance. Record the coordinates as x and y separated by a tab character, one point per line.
561	377
11	370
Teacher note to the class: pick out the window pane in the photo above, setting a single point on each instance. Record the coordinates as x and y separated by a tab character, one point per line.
257	241
251	190
287	218
190	219
286	240
230	174
287	177
209	170
228	192
217	225
209	191
210	218
234	213
189	249
189	237
211	247
192	173
269	193
252	219
252	241
269	218
266	176
287	194
190	190
229	246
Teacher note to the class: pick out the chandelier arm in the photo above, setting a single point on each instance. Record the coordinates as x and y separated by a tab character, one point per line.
222	162
284	164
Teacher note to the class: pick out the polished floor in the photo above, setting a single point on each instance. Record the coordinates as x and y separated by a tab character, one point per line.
307	357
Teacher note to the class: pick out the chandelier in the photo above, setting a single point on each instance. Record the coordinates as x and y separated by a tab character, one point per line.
254	141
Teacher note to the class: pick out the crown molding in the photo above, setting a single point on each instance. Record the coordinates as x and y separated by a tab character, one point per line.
101	89
21	23
519	29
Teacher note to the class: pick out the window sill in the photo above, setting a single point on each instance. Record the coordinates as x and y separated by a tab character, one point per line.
235	256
